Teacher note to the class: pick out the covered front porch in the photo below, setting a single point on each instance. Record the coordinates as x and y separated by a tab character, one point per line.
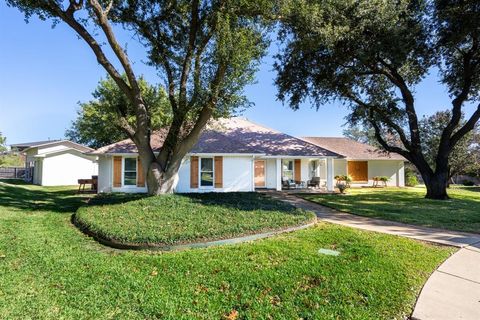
294	173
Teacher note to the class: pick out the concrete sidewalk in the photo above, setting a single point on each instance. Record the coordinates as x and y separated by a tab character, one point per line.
452	291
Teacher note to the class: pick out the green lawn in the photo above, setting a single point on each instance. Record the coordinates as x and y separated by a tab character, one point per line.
179	219
50	270
408	205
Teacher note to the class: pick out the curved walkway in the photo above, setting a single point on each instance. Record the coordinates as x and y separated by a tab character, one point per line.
452	291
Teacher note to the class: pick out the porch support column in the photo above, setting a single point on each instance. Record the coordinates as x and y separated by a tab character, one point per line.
278	170
330	179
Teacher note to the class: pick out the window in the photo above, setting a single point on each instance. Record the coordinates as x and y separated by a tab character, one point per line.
206	172
287	169
130	172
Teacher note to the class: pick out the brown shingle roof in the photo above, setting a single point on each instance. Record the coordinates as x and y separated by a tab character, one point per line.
127	145
352	149
235	135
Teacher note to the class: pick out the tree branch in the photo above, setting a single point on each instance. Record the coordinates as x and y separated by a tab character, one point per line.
198	67
117	49
394	76
205	114
384	117
466	128
67	17
384	144
187	61
447	141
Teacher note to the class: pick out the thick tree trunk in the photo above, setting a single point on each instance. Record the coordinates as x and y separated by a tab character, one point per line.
436	185
159	181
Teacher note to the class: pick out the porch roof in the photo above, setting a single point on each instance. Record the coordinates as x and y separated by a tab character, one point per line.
352	149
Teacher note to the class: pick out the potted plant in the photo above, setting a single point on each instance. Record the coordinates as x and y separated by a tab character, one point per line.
343	182
342	187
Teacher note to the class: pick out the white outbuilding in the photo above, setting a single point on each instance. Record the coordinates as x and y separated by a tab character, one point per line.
61	162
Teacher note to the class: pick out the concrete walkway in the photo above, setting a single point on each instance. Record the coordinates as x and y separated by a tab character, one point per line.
452	291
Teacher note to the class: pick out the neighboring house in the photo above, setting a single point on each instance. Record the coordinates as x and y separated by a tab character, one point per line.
231	155
58	162
20	147
363	162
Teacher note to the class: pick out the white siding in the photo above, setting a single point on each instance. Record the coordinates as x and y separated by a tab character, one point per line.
304	176
401	174
339	167
393	169
237	176
66	168
37	171
390	168
271	173
322	169
44	150
105	174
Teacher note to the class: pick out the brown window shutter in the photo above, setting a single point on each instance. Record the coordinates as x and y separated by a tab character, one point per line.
193	172
117	172
218	172
298	170
140	174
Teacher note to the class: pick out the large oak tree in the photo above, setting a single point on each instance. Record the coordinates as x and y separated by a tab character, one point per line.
370	54
207	51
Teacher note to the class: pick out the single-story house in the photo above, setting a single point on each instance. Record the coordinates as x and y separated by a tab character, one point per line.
59	162
363	162
233	155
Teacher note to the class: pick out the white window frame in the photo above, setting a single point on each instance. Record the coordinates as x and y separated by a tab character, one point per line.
123	173
293	168
200	173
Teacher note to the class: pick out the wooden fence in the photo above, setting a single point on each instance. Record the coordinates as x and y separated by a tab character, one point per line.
16	173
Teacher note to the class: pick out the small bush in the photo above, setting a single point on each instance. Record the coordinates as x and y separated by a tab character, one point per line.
411	179
468	183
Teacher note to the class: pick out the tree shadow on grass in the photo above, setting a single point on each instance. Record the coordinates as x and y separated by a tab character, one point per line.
21	195
25	196
473	189
34	198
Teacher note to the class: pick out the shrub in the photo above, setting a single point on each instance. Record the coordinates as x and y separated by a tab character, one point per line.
411	180
468	183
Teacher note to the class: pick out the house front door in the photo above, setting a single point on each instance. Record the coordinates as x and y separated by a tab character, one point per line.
259	173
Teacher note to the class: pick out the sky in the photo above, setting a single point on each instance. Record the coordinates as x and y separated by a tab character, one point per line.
45	72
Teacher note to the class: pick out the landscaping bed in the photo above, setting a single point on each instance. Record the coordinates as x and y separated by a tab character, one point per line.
170	220
408	205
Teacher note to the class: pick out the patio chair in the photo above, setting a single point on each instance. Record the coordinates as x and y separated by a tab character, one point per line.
314	182
288	184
